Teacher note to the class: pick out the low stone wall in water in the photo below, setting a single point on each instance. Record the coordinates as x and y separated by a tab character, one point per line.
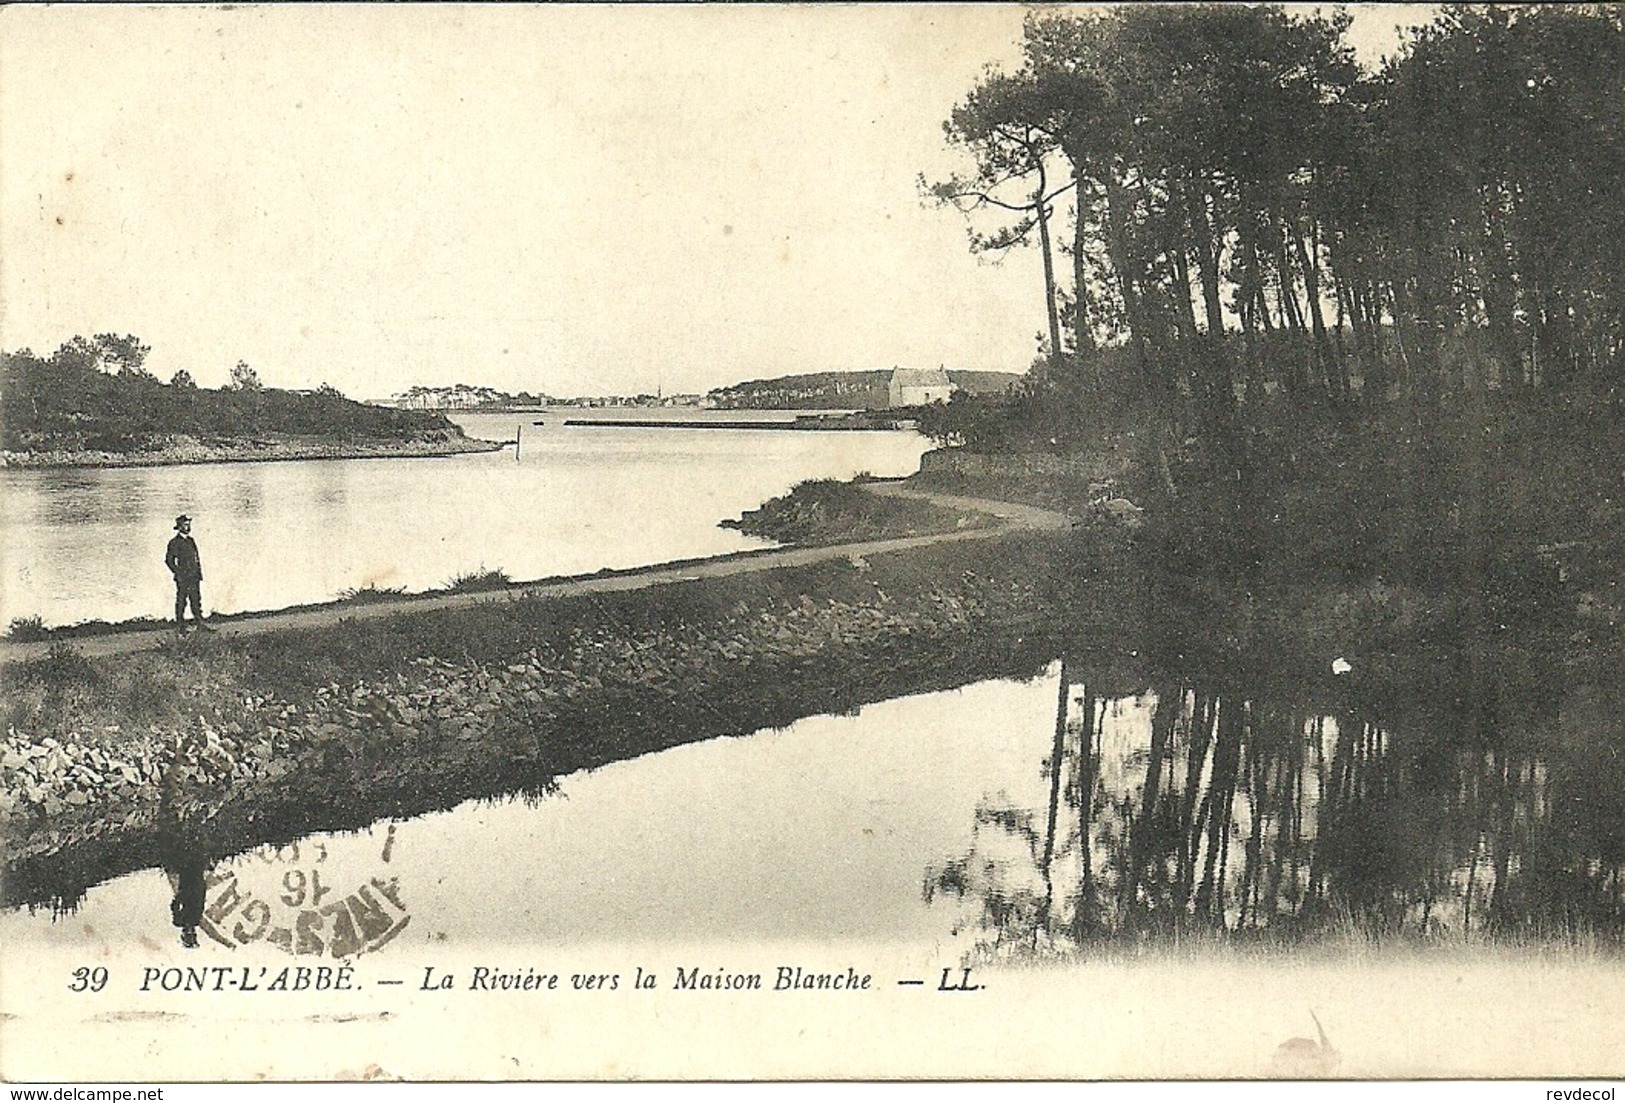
957	461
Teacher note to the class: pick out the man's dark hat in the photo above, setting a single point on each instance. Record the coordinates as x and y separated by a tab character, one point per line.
182	518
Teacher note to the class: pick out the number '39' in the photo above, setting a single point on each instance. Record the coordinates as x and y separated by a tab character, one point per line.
86	979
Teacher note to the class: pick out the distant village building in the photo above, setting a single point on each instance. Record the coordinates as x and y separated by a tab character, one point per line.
918	387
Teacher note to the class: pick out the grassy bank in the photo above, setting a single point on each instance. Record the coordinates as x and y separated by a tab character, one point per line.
232	743
824	511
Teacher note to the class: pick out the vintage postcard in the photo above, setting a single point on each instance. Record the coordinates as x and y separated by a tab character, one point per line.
756	542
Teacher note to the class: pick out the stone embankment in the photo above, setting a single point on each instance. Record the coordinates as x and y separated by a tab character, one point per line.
1099	486
563	686
332	725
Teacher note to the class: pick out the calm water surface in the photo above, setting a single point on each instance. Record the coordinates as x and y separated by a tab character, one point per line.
1110	799
88	544
1009	815
820	831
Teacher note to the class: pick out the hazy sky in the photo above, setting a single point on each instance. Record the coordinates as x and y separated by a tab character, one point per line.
569	199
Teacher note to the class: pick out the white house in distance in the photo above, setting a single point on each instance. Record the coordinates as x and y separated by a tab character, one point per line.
918	387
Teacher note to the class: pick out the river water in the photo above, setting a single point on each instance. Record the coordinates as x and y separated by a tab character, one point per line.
1094	801
88	544
1009	815
820	831
1456	803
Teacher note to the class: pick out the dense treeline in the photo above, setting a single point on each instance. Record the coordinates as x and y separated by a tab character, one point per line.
834	390
96	395
1255	215
811	391
1356	327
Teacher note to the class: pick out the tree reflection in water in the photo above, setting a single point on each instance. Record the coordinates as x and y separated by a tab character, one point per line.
1195	808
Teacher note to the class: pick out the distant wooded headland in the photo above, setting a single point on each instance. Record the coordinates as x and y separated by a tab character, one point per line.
878	389
93	403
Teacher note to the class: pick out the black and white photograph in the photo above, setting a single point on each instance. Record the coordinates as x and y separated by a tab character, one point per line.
767	542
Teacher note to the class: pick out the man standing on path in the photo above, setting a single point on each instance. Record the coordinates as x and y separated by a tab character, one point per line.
183	562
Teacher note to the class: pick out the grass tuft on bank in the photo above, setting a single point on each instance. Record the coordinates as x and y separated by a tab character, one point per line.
826	511
478	580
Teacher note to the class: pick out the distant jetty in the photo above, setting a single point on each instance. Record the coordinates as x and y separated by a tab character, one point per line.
822	423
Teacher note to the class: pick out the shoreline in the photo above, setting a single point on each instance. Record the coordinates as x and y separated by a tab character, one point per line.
955	519
204	748
262	450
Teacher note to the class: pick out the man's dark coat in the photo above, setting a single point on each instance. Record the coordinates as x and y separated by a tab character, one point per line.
182	559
